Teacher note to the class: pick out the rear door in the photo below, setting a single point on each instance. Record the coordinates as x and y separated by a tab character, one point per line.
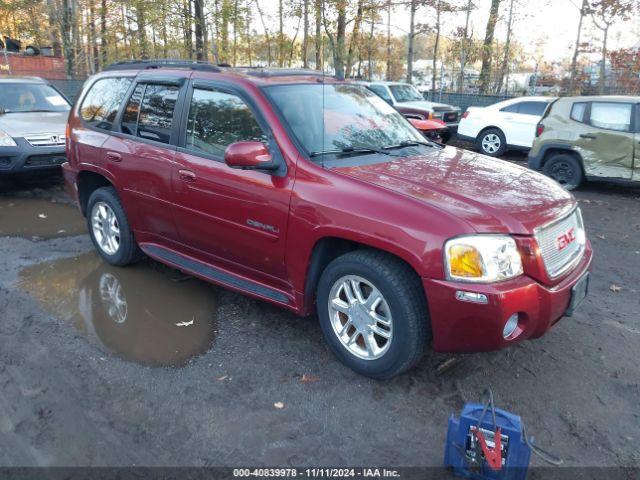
142	153
607	140
521	120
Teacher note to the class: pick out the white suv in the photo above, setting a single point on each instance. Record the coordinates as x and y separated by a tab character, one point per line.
505	125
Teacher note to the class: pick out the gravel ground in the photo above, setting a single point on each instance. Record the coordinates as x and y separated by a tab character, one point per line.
172	371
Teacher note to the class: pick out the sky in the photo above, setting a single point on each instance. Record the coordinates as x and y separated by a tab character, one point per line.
546	28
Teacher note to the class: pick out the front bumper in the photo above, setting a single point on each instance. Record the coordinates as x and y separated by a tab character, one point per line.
25	157
461	326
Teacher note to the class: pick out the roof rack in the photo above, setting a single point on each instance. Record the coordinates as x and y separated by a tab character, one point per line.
285	72
165	63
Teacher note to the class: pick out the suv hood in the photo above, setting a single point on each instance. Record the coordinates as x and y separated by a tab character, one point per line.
492	196
28	123
420	104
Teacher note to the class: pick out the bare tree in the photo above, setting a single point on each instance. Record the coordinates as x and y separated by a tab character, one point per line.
465	44
605	13
584	10
305	37
504	68
318	39
487	47
413	6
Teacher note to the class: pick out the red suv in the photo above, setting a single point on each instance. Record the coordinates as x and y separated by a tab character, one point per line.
313	193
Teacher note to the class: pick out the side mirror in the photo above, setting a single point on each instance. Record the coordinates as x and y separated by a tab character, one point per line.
249	155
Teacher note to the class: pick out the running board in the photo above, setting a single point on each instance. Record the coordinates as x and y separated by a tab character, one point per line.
214	274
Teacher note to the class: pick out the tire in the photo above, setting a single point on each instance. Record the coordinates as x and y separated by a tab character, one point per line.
127	250
403	303
492	142
564	169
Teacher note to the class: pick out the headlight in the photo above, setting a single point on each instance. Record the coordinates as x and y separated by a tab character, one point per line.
6	140
482	258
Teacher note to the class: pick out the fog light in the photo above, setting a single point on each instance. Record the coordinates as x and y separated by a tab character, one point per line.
510	326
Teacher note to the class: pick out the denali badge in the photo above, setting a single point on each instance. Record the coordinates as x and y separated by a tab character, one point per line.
262	226
566	239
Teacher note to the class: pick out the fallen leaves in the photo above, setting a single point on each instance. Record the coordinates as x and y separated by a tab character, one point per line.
309	378
615	288
279	405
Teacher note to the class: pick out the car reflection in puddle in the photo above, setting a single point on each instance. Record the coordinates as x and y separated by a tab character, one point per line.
146	313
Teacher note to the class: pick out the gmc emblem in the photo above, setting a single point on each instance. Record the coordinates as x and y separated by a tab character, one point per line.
566	239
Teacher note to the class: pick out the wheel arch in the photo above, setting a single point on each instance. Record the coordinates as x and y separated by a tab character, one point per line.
328	248
89	181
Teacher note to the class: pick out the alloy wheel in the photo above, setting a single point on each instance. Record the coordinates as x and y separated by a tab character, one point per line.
360	317
106	230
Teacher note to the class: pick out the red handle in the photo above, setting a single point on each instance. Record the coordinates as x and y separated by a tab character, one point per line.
114	157
187	176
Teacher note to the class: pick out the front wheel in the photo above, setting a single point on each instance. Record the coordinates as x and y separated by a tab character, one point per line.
373	313
564	169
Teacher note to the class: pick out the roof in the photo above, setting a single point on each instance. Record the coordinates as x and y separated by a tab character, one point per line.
14	79
608	98
255	75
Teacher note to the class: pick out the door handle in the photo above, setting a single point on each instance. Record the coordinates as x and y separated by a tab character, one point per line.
187	176
114	157
588	136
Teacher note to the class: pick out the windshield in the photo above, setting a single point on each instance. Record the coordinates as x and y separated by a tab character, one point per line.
334	117
31	97
405	93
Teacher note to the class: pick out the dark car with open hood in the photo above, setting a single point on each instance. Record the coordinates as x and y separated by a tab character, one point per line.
316	195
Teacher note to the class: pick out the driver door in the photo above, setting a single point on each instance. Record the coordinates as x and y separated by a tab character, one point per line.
233	217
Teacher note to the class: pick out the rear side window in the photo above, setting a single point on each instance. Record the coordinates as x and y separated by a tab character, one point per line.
611	116
149	112
577	111
100	105
511	108
217	119
533	108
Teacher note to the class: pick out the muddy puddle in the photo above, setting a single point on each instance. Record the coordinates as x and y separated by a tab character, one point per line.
145	313
36	218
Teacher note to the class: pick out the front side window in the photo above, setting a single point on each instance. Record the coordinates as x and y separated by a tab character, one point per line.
326	118
31	97
611	116
217	119
382	92
405	93
156	112
100	106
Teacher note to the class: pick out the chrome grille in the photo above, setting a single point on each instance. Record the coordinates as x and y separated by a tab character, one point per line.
562	243
45	140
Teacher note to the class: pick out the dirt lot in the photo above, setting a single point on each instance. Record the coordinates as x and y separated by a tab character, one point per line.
145	366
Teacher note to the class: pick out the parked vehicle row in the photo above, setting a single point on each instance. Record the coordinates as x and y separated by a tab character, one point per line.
313	196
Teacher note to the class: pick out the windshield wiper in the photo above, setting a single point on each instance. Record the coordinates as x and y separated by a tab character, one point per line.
352	151
411	143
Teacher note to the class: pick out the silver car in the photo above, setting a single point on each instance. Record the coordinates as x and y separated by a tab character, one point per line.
33	117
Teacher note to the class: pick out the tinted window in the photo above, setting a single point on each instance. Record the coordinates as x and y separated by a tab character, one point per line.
218	119
100	106
156	112
533	108
132	111
511	108
381	91
405	93
577	111
611	116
